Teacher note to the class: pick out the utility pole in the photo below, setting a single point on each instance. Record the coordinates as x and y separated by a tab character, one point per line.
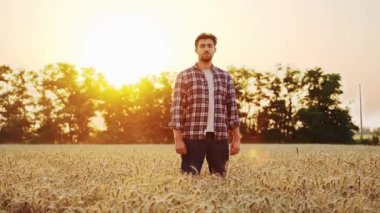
361	116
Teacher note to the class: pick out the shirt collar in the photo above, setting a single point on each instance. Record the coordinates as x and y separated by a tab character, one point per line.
196	67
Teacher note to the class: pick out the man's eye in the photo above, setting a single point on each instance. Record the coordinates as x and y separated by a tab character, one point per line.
209	45
202	45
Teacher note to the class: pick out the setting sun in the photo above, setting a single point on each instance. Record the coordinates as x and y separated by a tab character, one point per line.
126	48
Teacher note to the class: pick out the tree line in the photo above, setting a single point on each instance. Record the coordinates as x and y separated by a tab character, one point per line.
63	104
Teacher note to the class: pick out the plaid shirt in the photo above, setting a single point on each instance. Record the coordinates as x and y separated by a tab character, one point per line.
190	103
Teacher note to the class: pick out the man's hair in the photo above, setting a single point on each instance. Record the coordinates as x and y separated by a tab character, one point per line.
205	36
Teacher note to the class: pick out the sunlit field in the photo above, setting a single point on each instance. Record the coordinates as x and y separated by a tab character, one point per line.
146	178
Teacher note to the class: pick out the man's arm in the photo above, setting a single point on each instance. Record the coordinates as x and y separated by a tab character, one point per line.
177	113
233	117
235	145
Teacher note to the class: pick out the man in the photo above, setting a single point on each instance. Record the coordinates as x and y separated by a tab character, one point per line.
204	109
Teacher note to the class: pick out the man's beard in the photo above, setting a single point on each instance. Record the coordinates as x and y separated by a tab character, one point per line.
206	58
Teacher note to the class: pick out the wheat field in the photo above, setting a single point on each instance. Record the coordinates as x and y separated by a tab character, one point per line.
146	178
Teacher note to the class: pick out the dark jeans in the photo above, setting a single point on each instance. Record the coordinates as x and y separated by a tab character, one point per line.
216	153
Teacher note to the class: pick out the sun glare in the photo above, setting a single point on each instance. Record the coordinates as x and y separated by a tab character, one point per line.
126	48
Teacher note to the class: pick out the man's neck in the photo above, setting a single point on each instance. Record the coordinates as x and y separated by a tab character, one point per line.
204	65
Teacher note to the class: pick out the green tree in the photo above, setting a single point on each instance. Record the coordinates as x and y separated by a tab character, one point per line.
15	119
164	83
150	114
67	103
261	100
139	113
292	92
281	91
322	119
247	102
116	111
143	112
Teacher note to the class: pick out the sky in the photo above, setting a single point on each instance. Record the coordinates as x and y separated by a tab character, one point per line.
127	39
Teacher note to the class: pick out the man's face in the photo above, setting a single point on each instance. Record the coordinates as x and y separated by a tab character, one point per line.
205	50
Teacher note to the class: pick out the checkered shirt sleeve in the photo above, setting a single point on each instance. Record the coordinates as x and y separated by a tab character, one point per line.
178	103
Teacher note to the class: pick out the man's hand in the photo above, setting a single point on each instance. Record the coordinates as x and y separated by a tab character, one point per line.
235	145
180	147
235	148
